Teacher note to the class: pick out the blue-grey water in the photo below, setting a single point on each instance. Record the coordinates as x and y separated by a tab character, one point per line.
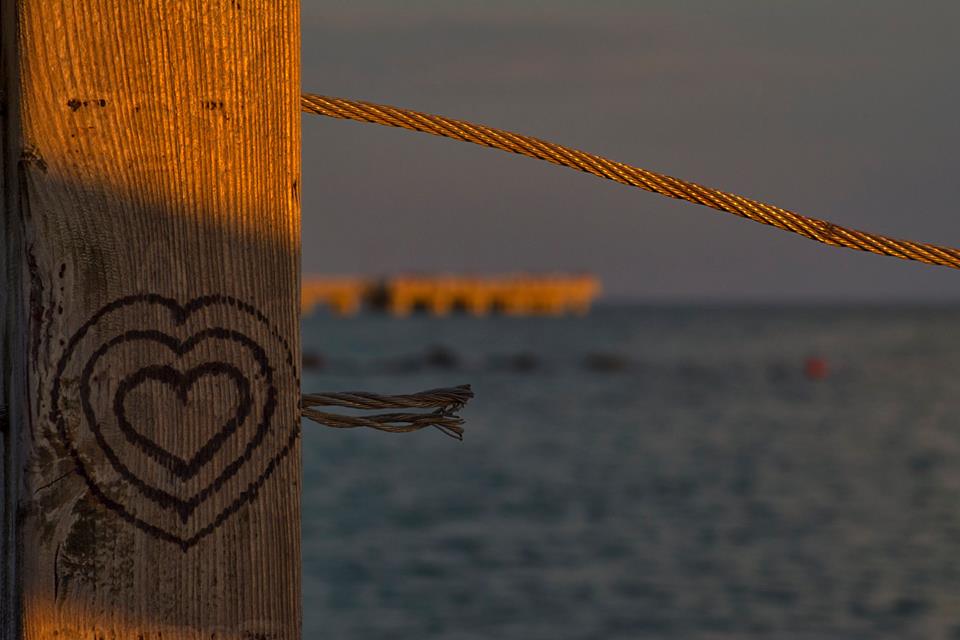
642	472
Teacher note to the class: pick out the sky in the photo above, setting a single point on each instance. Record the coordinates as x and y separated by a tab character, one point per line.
843	110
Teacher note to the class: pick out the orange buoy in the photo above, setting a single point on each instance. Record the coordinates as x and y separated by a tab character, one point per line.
815	368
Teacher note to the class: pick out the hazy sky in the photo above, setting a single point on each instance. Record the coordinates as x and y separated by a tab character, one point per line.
844	110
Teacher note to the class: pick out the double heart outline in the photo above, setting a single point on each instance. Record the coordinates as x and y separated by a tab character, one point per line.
164	499
180	314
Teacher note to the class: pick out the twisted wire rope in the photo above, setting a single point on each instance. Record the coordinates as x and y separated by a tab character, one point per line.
812	228
444	402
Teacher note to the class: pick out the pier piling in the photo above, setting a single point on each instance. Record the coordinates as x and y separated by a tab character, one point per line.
150	368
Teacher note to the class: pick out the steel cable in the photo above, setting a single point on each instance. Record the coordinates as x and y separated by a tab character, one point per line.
813	228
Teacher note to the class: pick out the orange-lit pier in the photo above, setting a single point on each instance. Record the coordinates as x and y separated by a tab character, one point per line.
344	296
516	295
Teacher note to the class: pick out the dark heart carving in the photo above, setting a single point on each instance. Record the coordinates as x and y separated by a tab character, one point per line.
166	499
257	399
181	383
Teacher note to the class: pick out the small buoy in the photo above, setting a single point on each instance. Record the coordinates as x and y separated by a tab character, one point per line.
815	368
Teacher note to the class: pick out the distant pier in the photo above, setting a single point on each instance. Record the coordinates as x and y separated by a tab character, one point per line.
515	295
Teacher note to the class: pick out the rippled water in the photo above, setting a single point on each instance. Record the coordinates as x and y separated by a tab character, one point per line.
643	473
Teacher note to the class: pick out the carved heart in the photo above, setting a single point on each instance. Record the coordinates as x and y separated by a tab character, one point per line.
112	453
181	384
163	497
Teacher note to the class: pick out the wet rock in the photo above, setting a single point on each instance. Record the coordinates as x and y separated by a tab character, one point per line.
441	357
523	362
313	360
605	362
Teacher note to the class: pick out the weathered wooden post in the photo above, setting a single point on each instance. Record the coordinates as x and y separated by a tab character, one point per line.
151	305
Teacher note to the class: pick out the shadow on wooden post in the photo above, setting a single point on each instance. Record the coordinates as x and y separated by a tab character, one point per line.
152	324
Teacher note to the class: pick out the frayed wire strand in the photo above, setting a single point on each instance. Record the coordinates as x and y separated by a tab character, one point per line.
445	402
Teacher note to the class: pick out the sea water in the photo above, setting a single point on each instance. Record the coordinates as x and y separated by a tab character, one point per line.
642	472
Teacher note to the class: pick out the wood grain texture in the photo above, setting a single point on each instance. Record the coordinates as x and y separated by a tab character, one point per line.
157	320
9	319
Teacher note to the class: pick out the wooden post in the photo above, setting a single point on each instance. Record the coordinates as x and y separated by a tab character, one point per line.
151	305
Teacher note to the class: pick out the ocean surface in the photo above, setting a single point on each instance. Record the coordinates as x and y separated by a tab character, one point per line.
642	472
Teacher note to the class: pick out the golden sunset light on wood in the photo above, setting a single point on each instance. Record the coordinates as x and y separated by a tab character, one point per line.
151	166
